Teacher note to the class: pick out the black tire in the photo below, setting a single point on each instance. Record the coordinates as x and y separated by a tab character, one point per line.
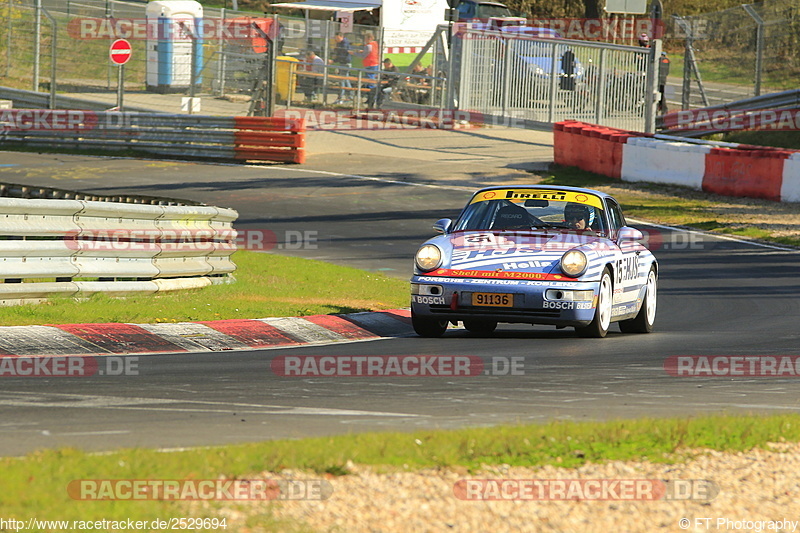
644	320
428	327
480	327
598	328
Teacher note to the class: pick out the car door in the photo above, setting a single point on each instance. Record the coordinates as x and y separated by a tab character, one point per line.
627	275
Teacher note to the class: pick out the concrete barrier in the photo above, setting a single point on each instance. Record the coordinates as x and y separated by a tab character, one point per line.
655	161
721	168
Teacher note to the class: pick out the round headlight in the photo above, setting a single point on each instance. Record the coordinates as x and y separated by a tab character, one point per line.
573	263
428	257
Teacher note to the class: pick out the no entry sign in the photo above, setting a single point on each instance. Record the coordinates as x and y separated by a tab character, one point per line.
120	51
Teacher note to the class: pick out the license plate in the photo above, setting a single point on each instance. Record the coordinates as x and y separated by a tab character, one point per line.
492	299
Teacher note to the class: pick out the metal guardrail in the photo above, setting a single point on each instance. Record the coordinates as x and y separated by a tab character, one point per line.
184	136
706	121
37	100
79	247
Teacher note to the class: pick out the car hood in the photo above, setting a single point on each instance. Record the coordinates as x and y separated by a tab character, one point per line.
512	251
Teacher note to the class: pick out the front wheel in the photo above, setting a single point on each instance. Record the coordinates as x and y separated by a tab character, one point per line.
644	320
602	314
428	327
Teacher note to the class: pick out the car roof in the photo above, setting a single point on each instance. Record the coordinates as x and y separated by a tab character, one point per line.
532	31
547	188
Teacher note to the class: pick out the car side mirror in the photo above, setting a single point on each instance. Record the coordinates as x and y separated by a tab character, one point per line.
442	225
626	233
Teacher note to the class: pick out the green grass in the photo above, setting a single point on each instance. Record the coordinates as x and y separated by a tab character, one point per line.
35	485
267	285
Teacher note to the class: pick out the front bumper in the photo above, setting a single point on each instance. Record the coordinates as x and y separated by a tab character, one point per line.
531	302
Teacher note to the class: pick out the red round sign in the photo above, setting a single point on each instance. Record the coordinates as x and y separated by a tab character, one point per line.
120	51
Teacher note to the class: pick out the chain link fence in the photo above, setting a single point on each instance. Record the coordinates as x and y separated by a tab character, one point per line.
219	58
542	81
740	52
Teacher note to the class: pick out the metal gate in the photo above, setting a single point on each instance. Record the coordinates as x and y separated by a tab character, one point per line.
530	81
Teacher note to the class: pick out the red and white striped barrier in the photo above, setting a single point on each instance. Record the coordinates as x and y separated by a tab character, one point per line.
720	168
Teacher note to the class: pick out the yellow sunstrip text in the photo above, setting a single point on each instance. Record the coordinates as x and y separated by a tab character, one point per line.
520	195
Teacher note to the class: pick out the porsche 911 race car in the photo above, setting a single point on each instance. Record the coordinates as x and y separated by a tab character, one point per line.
551	255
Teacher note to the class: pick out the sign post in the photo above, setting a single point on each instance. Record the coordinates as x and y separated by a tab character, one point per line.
120	53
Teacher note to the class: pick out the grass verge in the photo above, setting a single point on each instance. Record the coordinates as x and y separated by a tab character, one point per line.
36	485
267	285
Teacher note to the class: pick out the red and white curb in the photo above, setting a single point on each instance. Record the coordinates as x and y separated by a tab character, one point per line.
213	336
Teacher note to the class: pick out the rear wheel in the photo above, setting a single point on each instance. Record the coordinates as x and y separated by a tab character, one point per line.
644	320
428	327
602	313
480	327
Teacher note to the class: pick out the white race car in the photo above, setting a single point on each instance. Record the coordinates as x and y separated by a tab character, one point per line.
553	255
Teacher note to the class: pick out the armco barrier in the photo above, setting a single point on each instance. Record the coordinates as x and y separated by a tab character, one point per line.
183	136
114	248
721	168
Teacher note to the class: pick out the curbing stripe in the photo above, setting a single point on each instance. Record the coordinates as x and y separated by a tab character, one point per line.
212	336
304	330
387	324
253	333
44	340
342	326
121	338
195	337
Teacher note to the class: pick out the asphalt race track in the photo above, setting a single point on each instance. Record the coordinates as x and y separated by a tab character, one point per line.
717	297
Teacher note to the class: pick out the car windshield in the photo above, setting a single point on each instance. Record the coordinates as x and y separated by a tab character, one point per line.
526	210
486	11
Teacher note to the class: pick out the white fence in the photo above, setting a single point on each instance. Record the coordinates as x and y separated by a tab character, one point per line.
78	247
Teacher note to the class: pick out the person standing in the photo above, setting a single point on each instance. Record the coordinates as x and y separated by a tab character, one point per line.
342	56
316	65
371	57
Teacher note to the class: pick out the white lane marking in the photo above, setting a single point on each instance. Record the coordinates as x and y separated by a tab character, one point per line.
150	404
85	433
382	180
713	235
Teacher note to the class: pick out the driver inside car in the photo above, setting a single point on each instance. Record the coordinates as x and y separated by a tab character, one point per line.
578	217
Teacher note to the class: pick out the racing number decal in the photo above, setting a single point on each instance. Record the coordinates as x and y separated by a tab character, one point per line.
627	269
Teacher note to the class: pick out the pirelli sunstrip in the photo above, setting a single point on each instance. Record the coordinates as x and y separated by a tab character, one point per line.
560	256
